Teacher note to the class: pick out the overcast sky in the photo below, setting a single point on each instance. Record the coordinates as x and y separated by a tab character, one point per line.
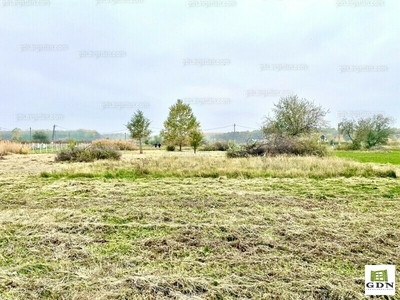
91	64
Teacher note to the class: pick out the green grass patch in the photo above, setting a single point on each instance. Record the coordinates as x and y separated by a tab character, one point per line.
389	157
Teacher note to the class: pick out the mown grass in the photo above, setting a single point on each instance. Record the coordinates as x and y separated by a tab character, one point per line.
388	157
192	237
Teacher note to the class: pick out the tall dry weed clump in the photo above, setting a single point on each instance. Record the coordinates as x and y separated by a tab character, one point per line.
280	145
113	144
7	147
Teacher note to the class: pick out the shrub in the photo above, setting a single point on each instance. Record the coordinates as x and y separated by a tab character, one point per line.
279	145
113	144
71	143
87	155
216	146
170	148
348	146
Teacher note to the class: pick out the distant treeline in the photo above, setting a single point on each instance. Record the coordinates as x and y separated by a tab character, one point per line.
243	137
239	137
78	135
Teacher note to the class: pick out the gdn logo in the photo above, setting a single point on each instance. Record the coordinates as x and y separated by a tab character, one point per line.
380	280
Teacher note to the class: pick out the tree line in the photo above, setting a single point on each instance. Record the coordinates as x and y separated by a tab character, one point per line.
181	127
43	136
291	118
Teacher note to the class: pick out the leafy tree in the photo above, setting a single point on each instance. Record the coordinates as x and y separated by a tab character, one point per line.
139	127
16	135
179	124
295	117
41	137
379	130
370	131
195	138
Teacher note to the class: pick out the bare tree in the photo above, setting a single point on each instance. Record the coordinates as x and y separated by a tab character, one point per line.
293	116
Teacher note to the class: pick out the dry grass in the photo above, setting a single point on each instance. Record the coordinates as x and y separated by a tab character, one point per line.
7	147
185	165
114	144
191	238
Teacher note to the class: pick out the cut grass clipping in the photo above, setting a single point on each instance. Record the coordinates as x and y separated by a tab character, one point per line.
194	238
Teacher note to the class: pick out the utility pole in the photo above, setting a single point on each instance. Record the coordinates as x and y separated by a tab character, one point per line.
30	134
234	133
54	132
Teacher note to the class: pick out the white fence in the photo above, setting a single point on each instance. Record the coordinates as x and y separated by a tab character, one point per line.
41	147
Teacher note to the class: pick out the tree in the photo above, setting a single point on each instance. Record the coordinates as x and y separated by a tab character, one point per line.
379	130
41	137
195	138
295	117
370	131
179	124
348	128
16	135
139	127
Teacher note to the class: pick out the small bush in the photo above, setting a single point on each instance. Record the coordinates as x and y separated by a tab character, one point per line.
71	143
348	146
170	148
87	155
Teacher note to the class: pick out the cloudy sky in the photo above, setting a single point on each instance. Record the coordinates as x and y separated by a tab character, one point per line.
91	64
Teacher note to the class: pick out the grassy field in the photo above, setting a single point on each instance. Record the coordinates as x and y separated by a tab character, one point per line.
389	157
177	226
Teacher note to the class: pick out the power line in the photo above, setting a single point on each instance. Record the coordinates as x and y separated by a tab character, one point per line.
117	131
63	128
217	128
247	127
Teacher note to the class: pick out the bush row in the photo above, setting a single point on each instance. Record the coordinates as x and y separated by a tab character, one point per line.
87	155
